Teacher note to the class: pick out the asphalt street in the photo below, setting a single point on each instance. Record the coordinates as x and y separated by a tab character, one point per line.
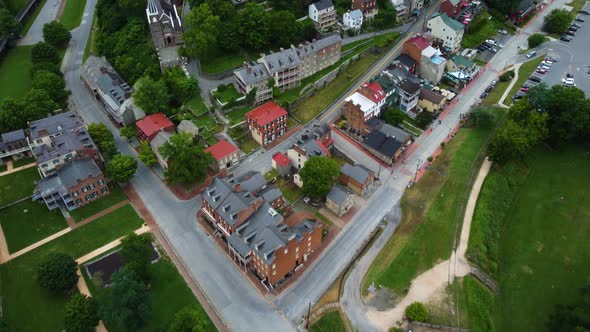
351	300
47	14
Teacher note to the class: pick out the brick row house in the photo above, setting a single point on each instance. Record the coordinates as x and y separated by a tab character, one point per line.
368	7
364	104
267	122
74	185
257	236
151	125
225	154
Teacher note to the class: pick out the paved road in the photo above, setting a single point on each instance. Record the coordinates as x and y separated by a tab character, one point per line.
47	14
351	300
230	293
402	28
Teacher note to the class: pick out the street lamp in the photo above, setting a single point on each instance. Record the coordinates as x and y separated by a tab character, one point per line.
417	168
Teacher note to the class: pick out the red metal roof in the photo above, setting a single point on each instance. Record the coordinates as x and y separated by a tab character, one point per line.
266	113
419	41
281	159
151	124
377	94
221	149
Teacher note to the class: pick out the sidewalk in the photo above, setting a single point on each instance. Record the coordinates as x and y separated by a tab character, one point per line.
10	169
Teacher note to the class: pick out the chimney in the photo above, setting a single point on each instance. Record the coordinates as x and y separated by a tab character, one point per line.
237	187
248	68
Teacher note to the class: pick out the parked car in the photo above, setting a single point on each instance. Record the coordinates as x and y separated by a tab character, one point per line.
535	79
577	25
504	32
483	95
494	50
571	32
542	71
524	89
579	19
531	54
491	41
585	12
569	75
550	58
529	84
489	88
566	38
568	81
494	82
572	29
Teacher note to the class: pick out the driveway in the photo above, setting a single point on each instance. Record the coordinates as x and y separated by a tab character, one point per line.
47	14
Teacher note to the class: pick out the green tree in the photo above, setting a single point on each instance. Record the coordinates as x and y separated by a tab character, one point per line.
53	84
189	319
57	273
137	251
37	104
424	119
46	66
393	116
8	24
536	39
286	29
187	161
128	303
385	18
56	34
200	31
10	115
319	175
81	314
133	5
129	132
103	137
229	38
180	87
152	96
482	117
557	21
121	168
572	317
417	312
44	53
254	27
146	155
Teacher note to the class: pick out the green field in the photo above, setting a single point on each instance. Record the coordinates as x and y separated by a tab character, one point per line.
17	185
196	105
166	286
15	5
544	251
72	14
431	211
331	322
116	195
15	72
28	222
28	307
205	121
524	72
228	94
484	26
237	116
222	63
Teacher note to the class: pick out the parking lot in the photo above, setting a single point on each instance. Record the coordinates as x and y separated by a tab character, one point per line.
487	55
572	57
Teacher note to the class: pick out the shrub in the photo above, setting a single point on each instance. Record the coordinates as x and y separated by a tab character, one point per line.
557	21
56	34
44	53
536	40
57	273
430	159
81	314
442	144
417	312
507	76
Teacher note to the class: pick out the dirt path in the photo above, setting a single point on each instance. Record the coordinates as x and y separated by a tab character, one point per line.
109	246
39	243
10	169
429	282
83	288
4	253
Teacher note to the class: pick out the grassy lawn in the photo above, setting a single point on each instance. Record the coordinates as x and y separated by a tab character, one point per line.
95	207
332	321
314	105
28	222
15	72
324	219
3	168
205	121
196	105
483	27
17	185
577	5
72	14
237	116
355	44
15	5
228	94
248	144
494	97
167	286
431	211
91	43
289	189
23	162
221	63
42	311
544	252
479	301
524	72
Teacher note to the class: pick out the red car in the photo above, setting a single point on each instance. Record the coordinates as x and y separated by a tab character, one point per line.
541	71
524	89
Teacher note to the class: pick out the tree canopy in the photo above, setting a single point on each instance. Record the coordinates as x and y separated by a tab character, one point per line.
417	312
129	302
57	273
557	21
201	30
53	84
187	161
536	39
146	155
179	87
121	168
151	95
81	314
8	24
56	34
189	319
44	53
319	175
393	116
137	251
572	317
102	136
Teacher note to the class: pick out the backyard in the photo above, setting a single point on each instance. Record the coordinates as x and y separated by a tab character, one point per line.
431	211
196	105
115	196
218	64
28	222
42	311
205	121
15	72
485	26
226	94
237	116
331	322
72	14
17	185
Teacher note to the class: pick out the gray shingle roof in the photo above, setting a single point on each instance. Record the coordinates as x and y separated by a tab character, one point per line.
409	86
357	172
252	181
271	193
254	74
68	176
280	61
69	142
225	201
187	126
338	194
55	124
13	136
323	4
317	45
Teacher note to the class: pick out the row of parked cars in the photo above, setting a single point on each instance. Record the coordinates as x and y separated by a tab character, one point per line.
536	78
573	28
490	45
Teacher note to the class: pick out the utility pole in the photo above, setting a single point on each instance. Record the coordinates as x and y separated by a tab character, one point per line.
308	314
416	175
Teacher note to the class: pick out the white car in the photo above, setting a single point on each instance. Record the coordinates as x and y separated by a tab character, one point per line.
568	81
531	54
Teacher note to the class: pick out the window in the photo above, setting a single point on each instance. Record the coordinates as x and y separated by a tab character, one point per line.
75	193
88	197
44	165
309	244
91	186
78	201
297	249
286	251
100	182
274	266
39	141
55	161
85	189
104	190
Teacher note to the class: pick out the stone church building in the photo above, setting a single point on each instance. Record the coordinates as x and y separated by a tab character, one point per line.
166	29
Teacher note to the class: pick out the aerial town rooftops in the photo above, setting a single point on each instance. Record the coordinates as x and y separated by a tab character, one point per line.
68	176
221	149
266	113
281	159
358	172
152	124
54	124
